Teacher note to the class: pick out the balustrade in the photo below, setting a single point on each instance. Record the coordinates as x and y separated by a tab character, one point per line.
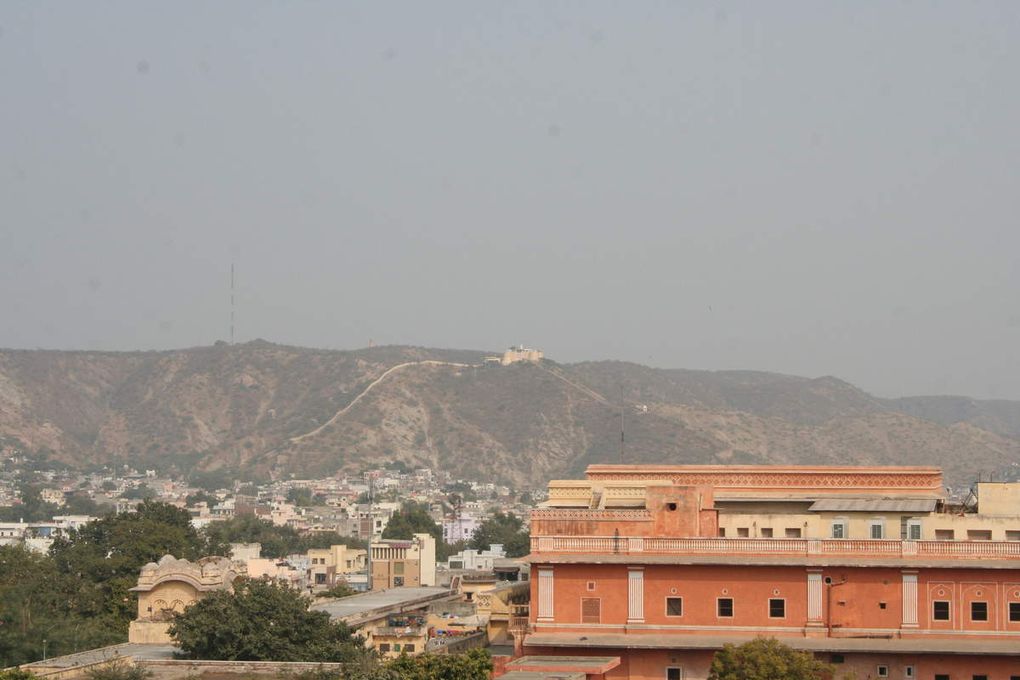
651	545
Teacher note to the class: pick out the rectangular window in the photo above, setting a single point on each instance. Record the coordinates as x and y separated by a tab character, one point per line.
876	529
724	607
1014	611
766	532
940	610
837	658
913	530
384	647
979	534
674	606
793	533
743	532
1012	535
979	677
777	608
398	581
945	535
591	585
591	610
978	611
409	648
722	532
942	676
674	673
839	529
882	671
908	672
398	568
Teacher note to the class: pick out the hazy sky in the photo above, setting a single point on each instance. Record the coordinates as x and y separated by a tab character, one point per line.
812	188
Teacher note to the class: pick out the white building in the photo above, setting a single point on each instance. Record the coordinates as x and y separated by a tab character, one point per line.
460	528
476	560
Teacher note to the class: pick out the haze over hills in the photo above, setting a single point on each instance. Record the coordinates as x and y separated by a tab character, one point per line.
261	409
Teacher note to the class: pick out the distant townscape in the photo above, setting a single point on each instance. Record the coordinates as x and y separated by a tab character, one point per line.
412	513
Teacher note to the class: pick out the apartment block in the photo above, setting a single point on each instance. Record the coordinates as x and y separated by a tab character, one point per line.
399	563
660	566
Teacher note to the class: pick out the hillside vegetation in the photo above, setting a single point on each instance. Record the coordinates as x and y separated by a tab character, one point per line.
263	410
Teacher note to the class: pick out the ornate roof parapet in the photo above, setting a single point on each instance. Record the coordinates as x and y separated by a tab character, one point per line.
208	573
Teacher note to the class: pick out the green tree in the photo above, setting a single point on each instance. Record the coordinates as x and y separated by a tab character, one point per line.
300	496
337	591
80	503
38	602
412	518
506	529
262	621
766	659
474	664
212	480
32	507
277	541
16	674
200	496
106	555
139	493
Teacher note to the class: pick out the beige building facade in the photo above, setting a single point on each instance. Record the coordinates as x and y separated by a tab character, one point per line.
329	566
168	586
397	563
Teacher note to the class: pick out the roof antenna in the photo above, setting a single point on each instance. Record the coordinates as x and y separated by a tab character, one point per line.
621	424
231	303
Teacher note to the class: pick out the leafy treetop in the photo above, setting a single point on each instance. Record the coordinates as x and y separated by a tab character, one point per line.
766	659
262	621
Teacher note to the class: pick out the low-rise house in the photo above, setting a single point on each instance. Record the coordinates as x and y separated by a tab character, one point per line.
332	565
399	563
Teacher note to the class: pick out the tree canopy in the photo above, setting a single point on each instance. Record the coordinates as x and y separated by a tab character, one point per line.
412	518
506	529
77	596
108	553
277	541
32	508
262	621
766	659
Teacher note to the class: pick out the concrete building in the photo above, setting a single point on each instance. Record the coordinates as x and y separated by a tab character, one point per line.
332	565
391	621
476	560
397	563
651	564
460	528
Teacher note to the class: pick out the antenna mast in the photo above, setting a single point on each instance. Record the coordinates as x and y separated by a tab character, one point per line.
231	303
621	422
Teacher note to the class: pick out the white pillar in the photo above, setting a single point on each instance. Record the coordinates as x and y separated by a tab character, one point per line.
909	599
545	593
635	595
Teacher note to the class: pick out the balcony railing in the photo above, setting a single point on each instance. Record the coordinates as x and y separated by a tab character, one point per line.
644	545
399	631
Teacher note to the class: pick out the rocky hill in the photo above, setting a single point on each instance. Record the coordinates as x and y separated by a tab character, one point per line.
261	409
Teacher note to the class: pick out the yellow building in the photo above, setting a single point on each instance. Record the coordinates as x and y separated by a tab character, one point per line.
329	566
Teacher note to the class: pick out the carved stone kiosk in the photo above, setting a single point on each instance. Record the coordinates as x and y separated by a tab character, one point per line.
170	585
